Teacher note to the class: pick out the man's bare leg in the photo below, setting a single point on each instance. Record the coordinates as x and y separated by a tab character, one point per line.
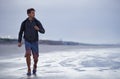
35	65
28	61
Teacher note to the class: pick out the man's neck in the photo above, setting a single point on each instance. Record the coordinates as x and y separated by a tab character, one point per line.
30	18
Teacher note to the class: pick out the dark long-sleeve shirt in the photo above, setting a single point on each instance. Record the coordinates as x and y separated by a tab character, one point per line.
30	34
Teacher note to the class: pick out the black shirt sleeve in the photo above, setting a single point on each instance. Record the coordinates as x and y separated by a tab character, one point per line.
42	30
21	32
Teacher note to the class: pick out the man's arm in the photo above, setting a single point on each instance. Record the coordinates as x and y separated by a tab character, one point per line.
20	34
40	27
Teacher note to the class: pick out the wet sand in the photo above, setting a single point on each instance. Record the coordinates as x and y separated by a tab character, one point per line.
62	62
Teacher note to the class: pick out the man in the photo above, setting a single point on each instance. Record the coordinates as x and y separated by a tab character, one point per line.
30	27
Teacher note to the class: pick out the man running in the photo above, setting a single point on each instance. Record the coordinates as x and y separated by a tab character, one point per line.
30	27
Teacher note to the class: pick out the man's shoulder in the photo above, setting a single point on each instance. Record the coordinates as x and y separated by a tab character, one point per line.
37	20
24	20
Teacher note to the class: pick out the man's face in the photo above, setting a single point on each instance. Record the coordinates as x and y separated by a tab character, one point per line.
32	14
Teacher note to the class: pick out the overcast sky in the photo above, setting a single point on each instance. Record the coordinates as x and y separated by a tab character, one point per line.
87	21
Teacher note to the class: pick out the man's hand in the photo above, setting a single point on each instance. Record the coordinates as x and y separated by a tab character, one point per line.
19	44
36	28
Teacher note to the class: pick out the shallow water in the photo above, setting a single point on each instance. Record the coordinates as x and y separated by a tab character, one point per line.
79	63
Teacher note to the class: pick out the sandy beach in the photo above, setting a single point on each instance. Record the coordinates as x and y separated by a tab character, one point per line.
62	62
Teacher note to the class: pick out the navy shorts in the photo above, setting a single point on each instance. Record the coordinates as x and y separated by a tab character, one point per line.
32	47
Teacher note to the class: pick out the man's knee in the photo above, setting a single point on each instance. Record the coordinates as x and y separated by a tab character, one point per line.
27	55
35	58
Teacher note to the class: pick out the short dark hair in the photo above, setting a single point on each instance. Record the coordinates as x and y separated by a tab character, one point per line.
29	10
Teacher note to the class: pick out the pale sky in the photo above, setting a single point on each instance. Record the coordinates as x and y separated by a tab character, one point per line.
86	21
